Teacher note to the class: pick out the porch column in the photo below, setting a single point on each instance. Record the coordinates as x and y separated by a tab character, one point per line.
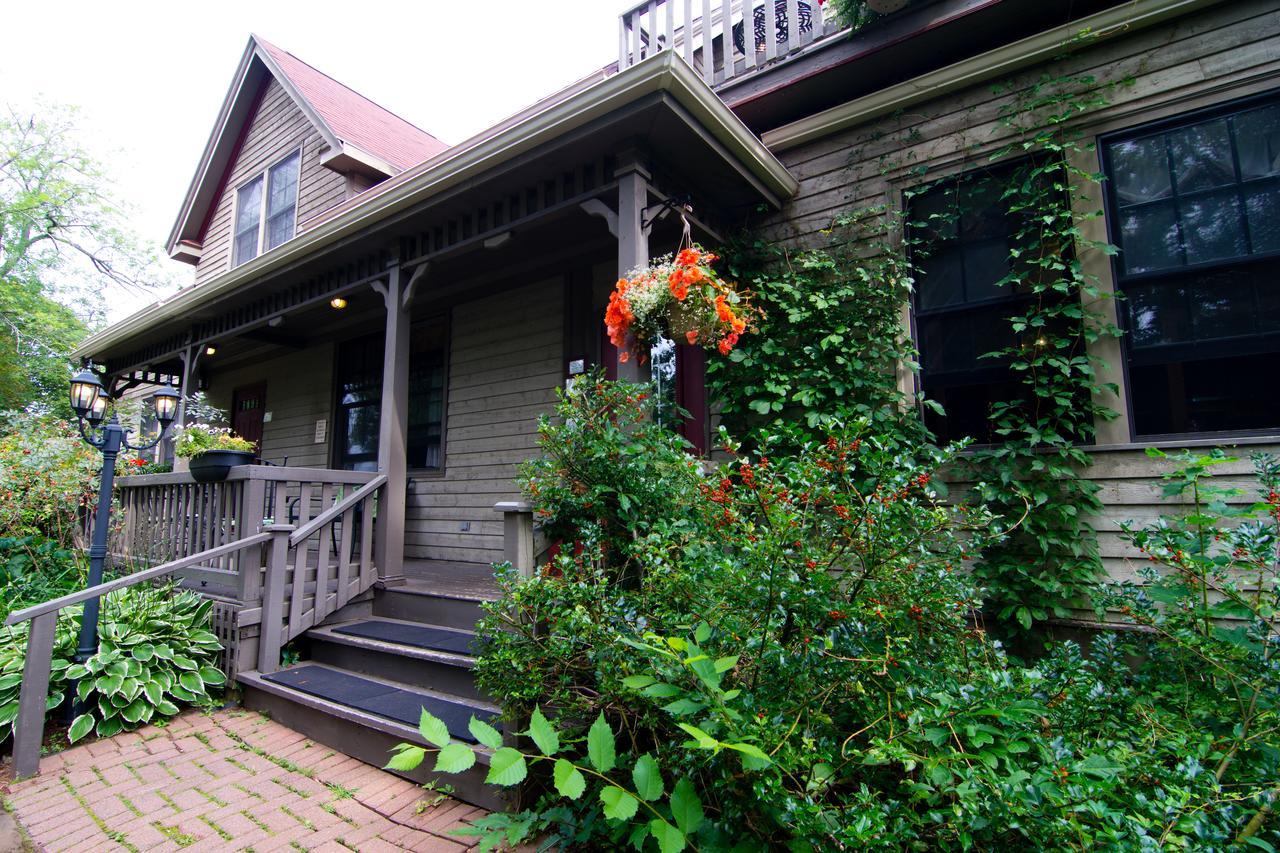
633	236
393	428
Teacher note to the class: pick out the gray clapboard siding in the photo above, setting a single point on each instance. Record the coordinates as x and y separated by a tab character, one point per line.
299	392
277	129
505	364
1174	67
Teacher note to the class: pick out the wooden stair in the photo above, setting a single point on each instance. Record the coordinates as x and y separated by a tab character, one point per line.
369	668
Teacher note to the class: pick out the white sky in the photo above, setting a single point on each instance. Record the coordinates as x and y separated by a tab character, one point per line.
149	77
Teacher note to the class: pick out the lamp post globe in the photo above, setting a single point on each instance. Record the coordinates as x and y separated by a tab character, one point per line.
166	404
86	389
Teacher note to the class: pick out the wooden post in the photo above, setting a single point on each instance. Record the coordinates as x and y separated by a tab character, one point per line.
28	731
249	518
271	624
393	426
517	535
633	236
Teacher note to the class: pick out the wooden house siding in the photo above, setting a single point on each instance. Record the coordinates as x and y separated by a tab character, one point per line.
505	365
299	393
1229	51
276	129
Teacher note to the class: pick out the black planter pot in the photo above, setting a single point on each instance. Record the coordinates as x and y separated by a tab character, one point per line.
214	465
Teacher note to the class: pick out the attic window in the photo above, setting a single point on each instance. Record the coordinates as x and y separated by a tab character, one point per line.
264	222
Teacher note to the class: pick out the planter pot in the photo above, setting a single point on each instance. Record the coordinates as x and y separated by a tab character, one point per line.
214	465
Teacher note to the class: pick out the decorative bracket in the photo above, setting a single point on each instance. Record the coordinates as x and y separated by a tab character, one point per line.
596	207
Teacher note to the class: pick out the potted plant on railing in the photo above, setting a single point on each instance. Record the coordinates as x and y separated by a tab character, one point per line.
680	297
211	451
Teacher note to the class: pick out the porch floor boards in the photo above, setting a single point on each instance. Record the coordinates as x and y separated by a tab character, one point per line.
454	580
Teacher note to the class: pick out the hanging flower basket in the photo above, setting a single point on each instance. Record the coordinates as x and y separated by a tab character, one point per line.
682	298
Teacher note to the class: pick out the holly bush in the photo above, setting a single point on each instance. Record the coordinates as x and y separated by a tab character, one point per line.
784	652
48	476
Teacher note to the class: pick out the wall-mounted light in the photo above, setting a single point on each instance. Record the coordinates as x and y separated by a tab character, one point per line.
211	350
338	302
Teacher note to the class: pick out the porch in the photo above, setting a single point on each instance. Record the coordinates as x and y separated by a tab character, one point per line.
392	362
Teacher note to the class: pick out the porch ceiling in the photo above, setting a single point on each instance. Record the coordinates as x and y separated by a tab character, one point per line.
525	177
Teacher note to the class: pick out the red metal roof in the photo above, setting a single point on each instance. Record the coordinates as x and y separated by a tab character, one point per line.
353	118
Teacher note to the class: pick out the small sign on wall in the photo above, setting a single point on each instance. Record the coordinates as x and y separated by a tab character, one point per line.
322	430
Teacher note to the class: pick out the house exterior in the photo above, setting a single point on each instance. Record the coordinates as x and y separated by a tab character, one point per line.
387	315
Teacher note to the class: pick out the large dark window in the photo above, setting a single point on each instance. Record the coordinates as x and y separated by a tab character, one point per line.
359	379
1195	209
962	234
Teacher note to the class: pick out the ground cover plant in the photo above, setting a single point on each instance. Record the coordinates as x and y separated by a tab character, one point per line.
786	654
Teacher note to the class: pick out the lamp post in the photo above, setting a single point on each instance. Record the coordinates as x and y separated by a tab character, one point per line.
89	401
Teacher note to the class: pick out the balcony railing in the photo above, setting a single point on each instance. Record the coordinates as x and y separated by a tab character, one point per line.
712	37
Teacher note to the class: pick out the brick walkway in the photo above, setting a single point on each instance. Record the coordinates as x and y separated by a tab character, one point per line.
232	780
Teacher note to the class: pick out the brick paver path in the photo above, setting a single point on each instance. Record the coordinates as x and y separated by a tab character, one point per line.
231	780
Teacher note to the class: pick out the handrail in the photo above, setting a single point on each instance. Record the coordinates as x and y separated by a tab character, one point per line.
252	472
28	728
135	578
337	509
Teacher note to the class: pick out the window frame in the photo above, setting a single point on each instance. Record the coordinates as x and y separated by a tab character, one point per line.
337	434
263	206
1119	278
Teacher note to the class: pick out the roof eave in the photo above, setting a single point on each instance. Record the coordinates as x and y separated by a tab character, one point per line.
664	72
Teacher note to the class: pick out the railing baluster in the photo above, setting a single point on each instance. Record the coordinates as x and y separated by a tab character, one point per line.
726	40
770	30
300	557
323	547
686	29
635	36
272	620
368	572
344	560
793	26
669	27
708	45
28	731
815	23
623	58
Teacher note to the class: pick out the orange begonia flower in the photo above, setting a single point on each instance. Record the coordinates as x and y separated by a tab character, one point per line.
691	337
688	257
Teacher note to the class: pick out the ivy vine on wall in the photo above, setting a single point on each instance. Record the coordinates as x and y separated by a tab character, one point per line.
833	328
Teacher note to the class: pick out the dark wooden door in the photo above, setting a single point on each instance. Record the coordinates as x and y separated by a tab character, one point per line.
248	405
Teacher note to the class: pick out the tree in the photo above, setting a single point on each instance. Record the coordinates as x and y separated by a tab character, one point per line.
63	243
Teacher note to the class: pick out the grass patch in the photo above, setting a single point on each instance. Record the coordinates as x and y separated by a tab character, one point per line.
306	795
213	798
128	804
222	833
299	818
254	820
117	837
177	836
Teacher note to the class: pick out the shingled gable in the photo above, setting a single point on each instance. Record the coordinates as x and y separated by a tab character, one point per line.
361	137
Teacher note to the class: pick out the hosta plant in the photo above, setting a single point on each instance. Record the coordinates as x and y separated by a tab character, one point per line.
155	652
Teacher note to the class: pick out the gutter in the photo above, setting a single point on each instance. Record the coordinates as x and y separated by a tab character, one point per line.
1041	47
665	71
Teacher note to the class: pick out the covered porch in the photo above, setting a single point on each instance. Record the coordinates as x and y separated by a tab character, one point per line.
417	332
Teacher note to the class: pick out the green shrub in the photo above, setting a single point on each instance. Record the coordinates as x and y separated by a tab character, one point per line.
792	660
155	653
48	476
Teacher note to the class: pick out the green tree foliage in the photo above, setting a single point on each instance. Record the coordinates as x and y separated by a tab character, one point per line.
63	243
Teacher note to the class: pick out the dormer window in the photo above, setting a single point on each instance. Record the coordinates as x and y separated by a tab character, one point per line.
264	222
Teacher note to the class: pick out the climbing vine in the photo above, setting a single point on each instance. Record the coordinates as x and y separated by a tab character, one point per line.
834	322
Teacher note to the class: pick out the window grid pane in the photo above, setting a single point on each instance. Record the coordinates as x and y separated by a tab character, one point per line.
248	217
282	200
1201	309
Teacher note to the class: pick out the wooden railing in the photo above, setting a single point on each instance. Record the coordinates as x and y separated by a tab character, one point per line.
315	569
167	516
712	37
305	573
28	729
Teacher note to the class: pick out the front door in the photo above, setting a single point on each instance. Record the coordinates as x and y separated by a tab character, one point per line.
248	405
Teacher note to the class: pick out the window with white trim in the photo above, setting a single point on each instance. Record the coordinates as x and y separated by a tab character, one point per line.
263	222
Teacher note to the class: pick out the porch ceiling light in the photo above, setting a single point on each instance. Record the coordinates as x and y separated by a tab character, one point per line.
85	390
211	349
338	302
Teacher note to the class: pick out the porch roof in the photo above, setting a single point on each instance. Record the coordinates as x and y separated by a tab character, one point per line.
660	101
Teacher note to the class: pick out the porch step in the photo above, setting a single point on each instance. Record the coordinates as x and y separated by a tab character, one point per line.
365	716
413	653
423	601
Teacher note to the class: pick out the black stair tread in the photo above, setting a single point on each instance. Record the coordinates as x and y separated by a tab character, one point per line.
451	640
377	697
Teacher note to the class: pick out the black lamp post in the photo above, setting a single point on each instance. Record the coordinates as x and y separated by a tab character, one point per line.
89	401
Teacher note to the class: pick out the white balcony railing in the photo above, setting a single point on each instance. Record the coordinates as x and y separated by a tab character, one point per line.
712	37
